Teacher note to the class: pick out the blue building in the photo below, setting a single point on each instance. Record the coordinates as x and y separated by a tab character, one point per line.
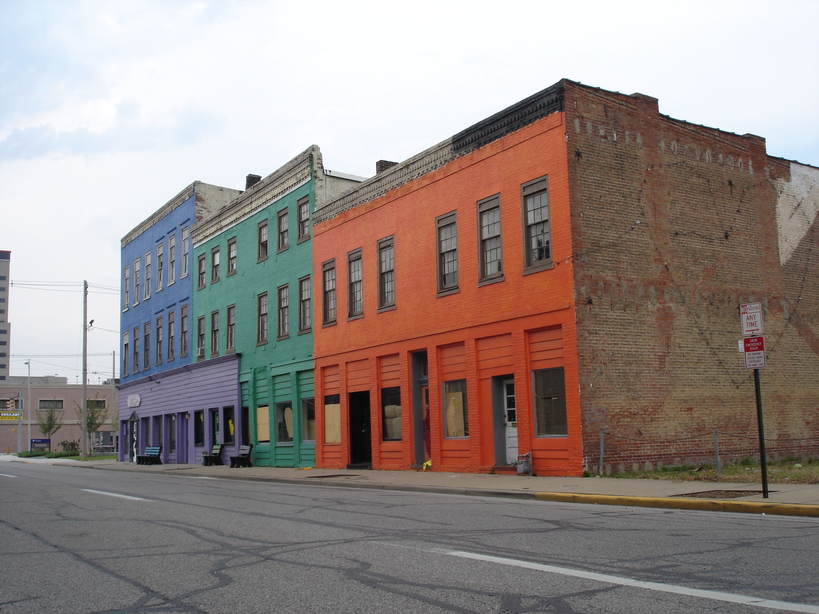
156	400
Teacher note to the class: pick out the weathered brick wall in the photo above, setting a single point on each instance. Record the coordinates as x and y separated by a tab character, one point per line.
674	225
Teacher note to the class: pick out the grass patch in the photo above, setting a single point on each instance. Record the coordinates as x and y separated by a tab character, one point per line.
787	471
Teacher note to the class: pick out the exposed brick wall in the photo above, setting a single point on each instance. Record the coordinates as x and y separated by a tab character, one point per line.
674	225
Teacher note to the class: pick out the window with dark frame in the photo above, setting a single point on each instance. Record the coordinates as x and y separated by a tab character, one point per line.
200	337
230	426
159	333
125	354
183	331
489	240
283	293
230	338
171	337
262	234
214	264
146	346
305	305
201	275
135	362
550	402
447	229
537	241
386	273
261	318
355	283
282	231
328	275
303	206
214	333
231	264
199	427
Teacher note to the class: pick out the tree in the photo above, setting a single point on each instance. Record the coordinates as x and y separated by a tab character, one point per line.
49	421
96	414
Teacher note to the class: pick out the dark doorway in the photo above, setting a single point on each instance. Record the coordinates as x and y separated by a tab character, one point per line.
361	449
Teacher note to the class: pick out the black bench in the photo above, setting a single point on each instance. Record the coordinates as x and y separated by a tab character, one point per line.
214	458
243	458
151	456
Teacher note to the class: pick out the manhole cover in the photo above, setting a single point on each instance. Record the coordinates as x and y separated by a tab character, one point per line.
721	494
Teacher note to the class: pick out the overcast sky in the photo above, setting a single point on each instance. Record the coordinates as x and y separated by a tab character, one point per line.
109	109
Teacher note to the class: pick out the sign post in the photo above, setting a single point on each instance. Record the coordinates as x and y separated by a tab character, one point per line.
754	349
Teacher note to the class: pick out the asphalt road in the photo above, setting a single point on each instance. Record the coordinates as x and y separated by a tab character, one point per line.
80	541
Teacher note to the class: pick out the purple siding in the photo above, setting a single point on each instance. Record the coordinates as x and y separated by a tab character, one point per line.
168	401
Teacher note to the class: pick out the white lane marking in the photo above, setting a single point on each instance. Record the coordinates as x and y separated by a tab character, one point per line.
6	475
113	494
653	586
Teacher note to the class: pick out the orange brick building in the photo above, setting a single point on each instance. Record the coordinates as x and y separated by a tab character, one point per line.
563	277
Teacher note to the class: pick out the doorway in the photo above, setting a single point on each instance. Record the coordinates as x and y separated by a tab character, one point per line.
420	409
133	438
505	420
361	447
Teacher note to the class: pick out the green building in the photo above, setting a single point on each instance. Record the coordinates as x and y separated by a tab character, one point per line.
253	297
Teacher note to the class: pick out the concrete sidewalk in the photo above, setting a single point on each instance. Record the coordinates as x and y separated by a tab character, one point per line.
786	499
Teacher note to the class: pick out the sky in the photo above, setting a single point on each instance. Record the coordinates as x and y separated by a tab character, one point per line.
109	109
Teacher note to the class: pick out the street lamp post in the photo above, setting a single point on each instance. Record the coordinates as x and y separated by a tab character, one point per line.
28	404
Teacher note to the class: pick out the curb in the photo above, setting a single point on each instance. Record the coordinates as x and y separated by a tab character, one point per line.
707	505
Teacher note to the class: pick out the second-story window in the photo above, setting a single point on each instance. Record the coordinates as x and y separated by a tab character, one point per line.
146	347
489	228
214	333
284	311
183	331
328	275
538	239
159	339
200	337
261	318
355	284
230	338
386	273
171	335
305	305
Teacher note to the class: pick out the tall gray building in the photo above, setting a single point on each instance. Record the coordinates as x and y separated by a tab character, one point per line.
5	326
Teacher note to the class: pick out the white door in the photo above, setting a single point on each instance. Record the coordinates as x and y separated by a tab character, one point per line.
510	416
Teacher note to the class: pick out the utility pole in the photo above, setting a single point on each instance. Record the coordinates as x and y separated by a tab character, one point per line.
83	434
28	405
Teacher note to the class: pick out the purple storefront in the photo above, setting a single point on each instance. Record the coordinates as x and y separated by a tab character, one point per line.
186	411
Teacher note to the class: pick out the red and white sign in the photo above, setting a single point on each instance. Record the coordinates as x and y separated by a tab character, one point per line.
754	348
751	316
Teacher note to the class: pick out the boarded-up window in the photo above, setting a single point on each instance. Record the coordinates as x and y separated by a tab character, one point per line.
550	402
456	417
263	424
332	419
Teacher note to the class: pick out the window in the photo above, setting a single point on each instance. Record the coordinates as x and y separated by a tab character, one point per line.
535	196
386	273
171	259
489	241
282	230
214	333
305	305
304	218
332	418
126	289
262	241
201	271
125	354
356	284
230	340
137	280
308	420
328	274
159	333
214	425
261	318
284	311
199	427
147	284
183	331
284	422
46	404
447	253
146	346
231	257
214	265
391	413
456	415
262	424
160	266
135	362
186	248
171	339
200	337
95	404
550	402
230	425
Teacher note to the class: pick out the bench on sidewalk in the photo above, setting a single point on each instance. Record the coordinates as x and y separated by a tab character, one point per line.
243	458
151	456
214	458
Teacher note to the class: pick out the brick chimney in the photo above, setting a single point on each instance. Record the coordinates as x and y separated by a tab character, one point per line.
252	180
383	165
